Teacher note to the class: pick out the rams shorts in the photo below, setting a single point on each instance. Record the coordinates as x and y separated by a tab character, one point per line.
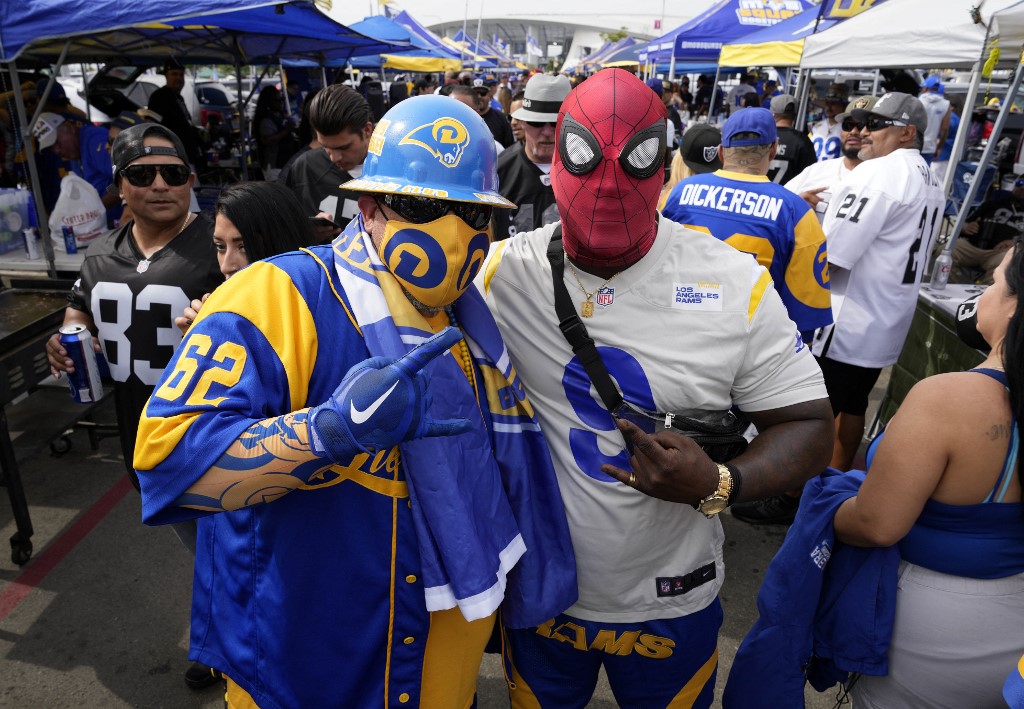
663	663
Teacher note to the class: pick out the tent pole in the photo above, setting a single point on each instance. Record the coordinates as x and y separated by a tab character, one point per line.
85	91
671	68
33	170
964	129
986	156
874	86
243	129
714	92
479	22
803	90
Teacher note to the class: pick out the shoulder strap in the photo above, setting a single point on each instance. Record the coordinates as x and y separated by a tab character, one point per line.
574	329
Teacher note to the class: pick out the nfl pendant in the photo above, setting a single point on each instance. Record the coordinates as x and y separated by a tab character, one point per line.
587	309
143	266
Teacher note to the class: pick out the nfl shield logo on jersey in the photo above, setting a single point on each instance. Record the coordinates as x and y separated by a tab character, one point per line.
605	296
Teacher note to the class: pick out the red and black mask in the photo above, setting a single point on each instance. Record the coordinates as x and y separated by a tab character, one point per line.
608	169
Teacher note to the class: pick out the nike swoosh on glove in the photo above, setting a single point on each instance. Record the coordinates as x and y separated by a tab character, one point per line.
382	402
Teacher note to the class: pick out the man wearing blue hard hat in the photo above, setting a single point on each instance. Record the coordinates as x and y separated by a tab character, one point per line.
349	419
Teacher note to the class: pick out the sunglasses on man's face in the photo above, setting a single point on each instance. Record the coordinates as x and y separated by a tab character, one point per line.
875	124
144	175
420	210
541	124
852	124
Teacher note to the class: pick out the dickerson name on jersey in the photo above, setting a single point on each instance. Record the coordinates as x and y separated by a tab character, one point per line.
731	199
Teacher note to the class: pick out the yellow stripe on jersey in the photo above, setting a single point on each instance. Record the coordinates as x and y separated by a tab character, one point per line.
759	247
689	693
757	293
162	436
807	271
493	261
274	306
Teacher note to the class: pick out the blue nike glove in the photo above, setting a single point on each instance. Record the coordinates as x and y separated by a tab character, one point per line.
380	403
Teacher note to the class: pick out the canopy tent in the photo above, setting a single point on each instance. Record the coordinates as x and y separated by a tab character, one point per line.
148	31
626	57
467	55
421	55
917	33
592	62
701	39
782	44
421	33
481	49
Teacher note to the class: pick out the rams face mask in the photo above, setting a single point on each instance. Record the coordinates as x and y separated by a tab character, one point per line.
608	169
434	261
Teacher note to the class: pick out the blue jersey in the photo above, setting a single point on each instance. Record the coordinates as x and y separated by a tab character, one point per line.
315	599
95	163
770	223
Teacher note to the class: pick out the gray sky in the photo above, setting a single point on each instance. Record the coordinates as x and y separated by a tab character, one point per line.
610	13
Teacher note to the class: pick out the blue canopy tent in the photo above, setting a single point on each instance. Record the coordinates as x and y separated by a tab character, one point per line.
142	32
421	33
420	55
700	40
592	62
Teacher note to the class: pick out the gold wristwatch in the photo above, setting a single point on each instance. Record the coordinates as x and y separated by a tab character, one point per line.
719	499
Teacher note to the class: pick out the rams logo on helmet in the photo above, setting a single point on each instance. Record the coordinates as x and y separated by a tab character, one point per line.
444	138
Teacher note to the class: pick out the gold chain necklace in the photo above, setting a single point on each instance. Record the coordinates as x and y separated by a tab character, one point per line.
587	306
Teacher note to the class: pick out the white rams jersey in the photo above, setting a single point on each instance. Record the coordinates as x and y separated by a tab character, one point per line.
880	226
695	324
827	140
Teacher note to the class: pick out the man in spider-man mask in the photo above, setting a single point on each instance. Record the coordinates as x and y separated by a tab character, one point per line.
681	322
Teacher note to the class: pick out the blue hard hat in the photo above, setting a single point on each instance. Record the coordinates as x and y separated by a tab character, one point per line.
432	146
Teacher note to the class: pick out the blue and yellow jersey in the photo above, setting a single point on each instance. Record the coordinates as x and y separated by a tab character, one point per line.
773	225
284	591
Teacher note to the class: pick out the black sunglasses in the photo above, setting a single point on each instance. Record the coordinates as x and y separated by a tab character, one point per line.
874	124
852	124
540	124
420	210
143	175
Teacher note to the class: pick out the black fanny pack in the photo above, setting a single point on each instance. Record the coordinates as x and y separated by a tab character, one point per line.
718	433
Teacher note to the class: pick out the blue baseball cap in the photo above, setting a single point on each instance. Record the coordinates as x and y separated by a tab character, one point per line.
749	120
657	85
932	82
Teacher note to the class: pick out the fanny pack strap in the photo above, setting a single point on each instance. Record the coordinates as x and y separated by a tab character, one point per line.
575	331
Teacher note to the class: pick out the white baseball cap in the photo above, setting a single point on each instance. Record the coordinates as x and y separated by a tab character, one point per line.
45	129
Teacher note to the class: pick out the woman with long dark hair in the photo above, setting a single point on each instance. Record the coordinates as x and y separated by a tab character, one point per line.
275	134
945	485
254	221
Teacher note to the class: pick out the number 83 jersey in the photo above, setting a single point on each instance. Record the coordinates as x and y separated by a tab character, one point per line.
133	301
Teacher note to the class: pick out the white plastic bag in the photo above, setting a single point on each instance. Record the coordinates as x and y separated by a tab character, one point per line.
79	206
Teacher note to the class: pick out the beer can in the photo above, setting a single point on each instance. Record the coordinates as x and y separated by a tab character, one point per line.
84	382
70	245
31	243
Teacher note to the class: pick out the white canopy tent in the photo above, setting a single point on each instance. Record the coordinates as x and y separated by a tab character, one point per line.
951	34
918	33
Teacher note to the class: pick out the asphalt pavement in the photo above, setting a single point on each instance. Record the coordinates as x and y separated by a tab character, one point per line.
99	615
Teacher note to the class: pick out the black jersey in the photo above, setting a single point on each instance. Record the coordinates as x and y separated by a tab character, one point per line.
133	302
500	127
522	182
317	181
795	154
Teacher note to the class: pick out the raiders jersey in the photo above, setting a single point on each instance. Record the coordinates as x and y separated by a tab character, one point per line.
693	325
771	224
316	181
133	302
881	223
525	184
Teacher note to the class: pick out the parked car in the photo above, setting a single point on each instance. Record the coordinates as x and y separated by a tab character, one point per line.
126	88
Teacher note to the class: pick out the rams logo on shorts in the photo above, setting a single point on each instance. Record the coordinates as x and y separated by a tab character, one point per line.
444	138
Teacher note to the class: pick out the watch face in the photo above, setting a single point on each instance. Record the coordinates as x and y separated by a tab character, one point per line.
713	505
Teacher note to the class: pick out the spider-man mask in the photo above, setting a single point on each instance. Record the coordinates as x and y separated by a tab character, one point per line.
608	170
